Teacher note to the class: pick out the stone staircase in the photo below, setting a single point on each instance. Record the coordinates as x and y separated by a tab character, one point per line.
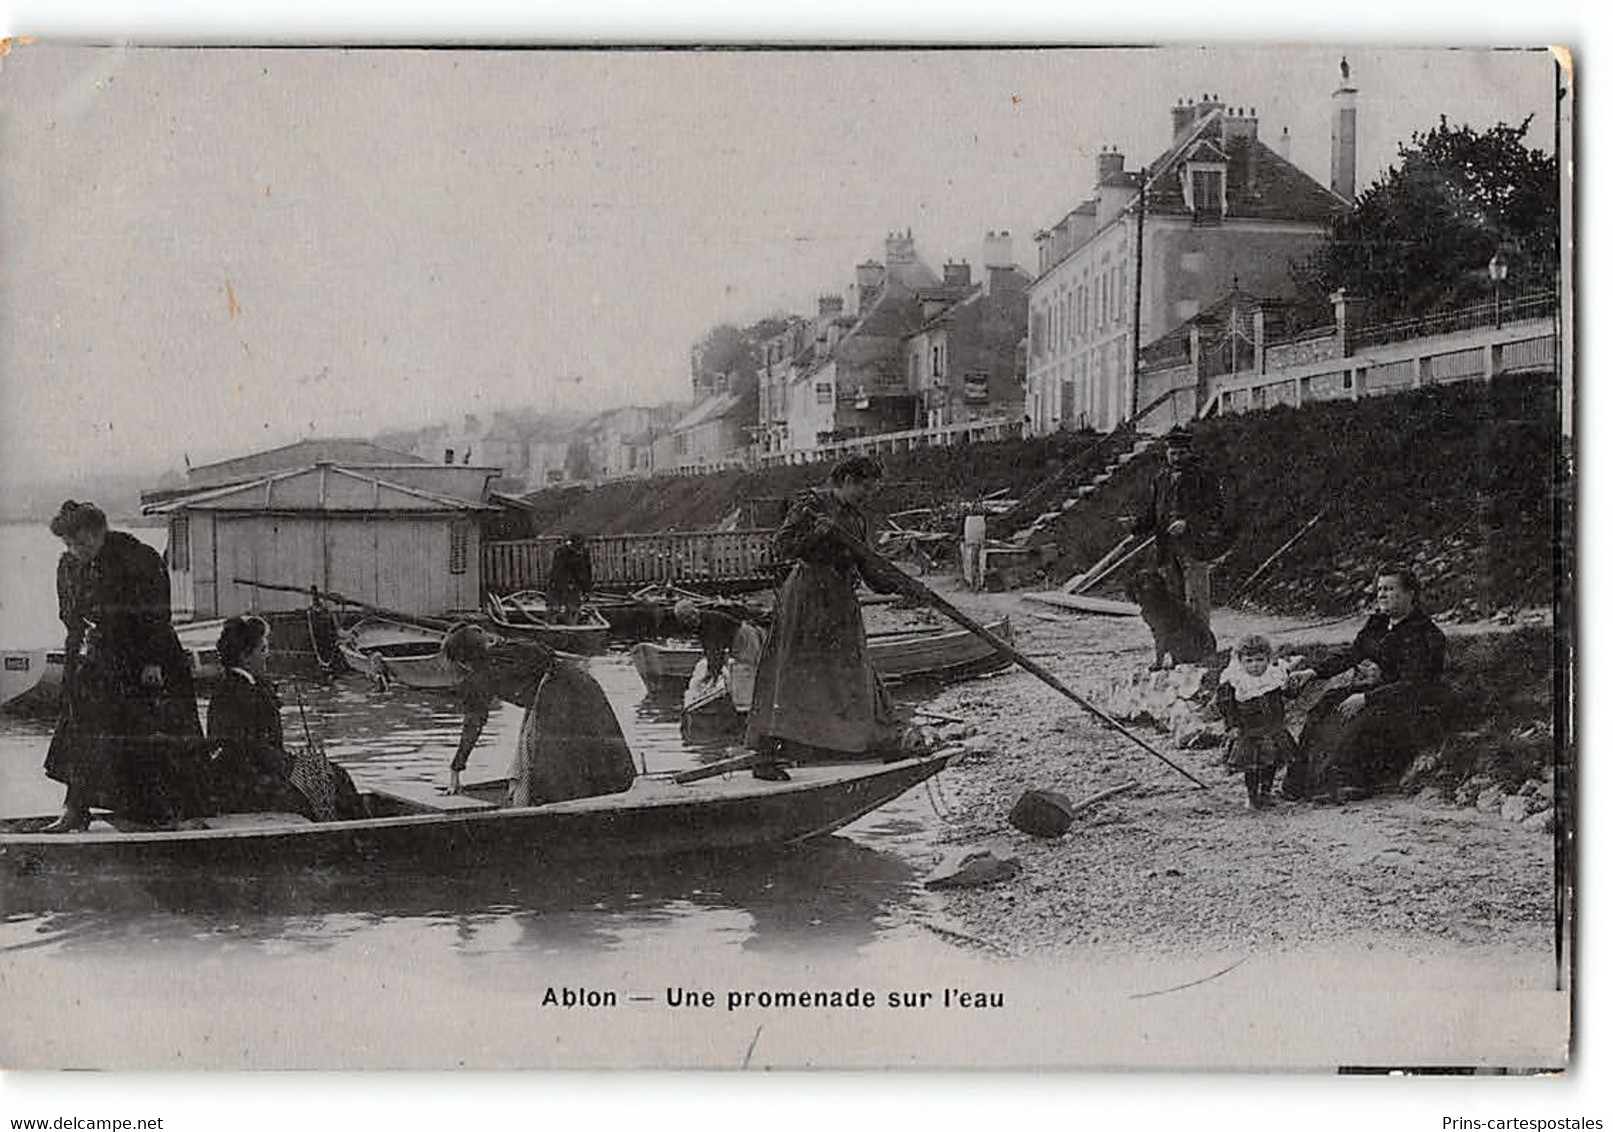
1083	489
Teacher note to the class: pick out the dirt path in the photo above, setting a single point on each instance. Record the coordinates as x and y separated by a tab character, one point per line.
1171	867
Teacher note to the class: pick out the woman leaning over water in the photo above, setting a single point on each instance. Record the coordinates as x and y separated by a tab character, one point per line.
129	739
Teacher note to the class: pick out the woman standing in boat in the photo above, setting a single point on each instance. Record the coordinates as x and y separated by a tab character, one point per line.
254	771
817	695
570	744
129	739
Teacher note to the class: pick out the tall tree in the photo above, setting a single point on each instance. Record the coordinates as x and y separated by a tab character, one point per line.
1420	238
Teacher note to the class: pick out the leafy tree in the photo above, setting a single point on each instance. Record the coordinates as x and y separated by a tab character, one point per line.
1420	238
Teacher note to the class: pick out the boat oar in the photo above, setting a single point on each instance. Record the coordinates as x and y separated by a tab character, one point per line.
721	766
329	595
878	566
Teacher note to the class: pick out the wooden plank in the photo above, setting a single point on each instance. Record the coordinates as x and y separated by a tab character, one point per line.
426	798
1080	603
1076	584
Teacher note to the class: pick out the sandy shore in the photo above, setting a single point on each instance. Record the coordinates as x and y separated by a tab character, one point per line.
1172	868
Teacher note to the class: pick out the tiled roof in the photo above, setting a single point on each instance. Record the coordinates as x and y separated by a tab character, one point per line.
1279	190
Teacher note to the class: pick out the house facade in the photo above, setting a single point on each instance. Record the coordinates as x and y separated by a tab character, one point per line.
1219	211
964	361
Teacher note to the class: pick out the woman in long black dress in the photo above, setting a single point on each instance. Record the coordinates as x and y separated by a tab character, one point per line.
570	746
255	772
817	694
1357	737
129	739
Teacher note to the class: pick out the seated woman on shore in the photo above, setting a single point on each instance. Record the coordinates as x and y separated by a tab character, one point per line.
570	744
1362	735
254	772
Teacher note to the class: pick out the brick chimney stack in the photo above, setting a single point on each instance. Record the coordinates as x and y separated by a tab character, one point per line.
1110	161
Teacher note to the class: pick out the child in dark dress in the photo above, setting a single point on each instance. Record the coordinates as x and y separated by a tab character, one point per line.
1250	699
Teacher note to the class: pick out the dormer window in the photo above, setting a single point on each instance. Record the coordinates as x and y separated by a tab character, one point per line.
1204	190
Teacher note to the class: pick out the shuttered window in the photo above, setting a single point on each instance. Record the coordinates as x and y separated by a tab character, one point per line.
458	546
179	542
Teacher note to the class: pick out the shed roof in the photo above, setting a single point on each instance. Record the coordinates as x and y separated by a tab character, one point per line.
321	488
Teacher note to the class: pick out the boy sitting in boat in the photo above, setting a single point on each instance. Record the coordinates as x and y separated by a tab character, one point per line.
570	745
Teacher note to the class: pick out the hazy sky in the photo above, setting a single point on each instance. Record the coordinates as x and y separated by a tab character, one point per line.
208	251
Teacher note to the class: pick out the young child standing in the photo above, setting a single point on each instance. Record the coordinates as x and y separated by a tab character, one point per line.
1250	699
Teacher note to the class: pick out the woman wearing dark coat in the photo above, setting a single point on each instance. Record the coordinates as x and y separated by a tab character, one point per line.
1357	737
817	694
254	772
570	745
129	739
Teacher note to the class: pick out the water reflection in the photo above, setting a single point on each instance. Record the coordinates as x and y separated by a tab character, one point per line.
828	893
838	892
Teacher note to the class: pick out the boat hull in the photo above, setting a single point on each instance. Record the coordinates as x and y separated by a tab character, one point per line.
31	679
391	652
526	615
925	655
655	818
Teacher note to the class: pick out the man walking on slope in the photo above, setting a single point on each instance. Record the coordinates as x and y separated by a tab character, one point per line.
1190	521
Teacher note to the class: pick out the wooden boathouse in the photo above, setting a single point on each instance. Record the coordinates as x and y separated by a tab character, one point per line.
371	524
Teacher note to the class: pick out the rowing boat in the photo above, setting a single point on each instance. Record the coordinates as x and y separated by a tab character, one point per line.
433	833
919	654
31	679
395	652
527	614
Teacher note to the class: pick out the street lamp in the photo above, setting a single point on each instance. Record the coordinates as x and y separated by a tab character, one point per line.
1498	276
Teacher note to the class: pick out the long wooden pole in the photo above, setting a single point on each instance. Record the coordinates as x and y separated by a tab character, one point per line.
1276	554
878	565
329	595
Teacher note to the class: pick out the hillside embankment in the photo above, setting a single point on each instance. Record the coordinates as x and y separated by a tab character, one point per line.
1459	481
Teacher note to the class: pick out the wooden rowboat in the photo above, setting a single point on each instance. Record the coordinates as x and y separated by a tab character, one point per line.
526	614
434	833
394	652
917	655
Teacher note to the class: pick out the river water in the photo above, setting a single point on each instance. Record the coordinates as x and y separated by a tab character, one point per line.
854	897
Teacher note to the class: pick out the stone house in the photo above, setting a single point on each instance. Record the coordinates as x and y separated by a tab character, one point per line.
1220	210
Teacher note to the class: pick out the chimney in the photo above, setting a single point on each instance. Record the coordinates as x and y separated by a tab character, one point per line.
1181	117
830	306
870	278
1239	132
1110	162
955	274
1344	134
998	250
1208	104
1284	146
899	248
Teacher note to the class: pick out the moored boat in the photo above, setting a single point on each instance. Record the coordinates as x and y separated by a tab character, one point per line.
527	614
920	654
446	833
31	679
389	652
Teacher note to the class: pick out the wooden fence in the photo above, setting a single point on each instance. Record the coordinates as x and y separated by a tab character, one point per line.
625	562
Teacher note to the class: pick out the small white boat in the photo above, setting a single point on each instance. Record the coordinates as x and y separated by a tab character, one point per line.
31	679
395	652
